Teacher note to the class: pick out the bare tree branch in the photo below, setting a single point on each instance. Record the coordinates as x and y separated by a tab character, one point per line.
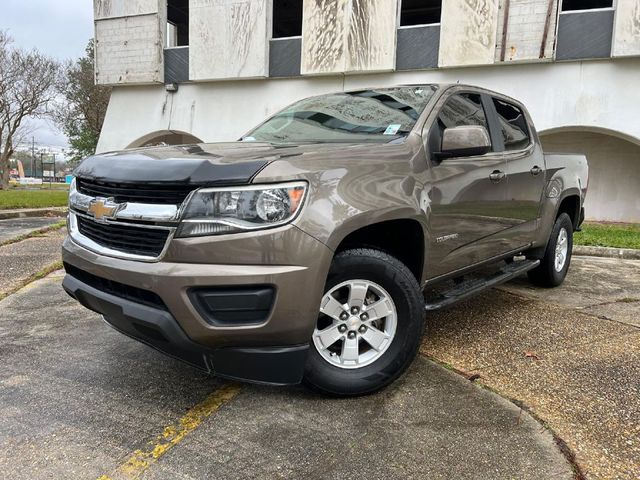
28	85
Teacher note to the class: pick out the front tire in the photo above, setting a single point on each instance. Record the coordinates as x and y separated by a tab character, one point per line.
554	265
370	324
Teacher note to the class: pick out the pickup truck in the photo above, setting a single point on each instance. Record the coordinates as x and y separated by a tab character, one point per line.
313	249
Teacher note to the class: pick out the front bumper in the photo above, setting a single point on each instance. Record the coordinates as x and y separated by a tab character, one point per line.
158	329
272	351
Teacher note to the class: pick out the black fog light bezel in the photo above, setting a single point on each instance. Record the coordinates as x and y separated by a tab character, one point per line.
234	306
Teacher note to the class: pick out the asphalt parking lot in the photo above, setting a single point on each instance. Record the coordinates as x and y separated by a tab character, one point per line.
78	400
16	227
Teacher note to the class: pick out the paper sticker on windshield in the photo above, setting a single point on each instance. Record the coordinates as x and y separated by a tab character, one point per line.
392	129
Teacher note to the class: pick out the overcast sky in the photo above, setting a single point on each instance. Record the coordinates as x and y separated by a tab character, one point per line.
59	28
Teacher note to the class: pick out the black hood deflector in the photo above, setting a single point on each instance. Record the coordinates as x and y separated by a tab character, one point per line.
170	165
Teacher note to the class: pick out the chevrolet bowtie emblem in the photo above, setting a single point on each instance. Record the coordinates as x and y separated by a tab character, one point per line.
103	208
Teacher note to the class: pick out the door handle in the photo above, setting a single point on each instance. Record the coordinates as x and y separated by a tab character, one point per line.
536	170
496	176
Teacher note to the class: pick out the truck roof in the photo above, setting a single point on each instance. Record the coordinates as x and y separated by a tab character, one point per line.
439	85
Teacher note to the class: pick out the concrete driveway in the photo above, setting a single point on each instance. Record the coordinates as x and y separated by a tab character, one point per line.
16	227
78	400
570	354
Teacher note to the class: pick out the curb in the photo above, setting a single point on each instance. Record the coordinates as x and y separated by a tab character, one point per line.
624	253
33	212
565	450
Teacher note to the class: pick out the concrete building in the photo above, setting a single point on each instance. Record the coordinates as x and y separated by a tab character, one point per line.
209	70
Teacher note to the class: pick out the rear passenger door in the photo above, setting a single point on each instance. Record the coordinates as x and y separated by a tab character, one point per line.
525	170
467	195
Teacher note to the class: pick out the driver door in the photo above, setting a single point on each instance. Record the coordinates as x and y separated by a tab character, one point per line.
466	196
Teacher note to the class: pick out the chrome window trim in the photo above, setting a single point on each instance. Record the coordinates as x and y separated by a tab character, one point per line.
254	186
85	242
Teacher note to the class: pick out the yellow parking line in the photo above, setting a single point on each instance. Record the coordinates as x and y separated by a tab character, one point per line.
140	460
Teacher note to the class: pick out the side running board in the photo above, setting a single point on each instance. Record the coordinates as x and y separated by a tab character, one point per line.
472	287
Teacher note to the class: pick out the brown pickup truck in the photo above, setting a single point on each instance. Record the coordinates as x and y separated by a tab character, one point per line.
313	248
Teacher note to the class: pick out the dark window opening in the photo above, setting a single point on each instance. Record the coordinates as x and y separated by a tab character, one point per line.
420	12
569	5
177	23
513	123
287	18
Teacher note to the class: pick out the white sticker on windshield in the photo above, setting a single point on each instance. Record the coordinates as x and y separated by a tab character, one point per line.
248	139
392	129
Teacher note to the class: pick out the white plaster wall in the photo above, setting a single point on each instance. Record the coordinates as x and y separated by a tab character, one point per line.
371	39
324	27
614	173
123	8
626	35
525	30
348	36
468	32
129	50
228	39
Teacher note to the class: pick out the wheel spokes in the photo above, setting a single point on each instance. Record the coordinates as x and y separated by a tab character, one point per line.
379	309
357	294
331	307
350	350
375	338
328	336
357	335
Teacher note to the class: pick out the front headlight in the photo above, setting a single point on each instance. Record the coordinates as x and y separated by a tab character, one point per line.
216	211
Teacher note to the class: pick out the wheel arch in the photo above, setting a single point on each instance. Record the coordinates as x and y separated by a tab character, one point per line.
403	238
570	204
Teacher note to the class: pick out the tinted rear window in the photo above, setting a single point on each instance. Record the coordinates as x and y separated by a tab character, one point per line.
515	131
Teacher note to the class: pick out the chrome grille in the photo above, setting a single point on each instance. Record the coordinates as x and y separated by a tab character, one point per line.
121	237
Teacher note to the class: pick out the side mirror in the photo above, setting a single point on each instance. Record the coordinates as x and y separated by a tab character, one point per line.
465	141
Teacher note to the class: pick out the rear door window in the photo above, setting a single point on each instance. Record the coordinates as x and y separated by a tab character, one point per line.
513	124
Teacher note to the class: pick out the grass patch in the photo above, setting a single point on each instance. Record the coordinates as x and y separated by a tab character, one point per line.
616	235
36	233
16	198
36	276
40	186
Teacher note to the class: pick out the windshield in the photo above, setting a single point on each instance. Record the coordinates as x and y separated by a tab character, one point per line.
381	115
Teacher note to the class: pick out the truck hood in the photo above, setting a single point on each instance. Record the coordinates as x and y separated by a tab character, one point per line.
232	163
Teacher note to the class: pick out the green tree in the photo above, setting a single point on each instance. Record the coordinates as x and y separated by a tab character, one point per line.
82	114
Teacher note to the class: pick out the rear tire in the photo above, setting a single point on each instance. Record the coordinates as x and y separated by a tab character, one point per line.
371	285
554	265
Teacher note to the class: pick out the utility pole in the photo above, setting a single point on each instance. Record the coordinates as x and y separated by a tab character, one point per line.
33	154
